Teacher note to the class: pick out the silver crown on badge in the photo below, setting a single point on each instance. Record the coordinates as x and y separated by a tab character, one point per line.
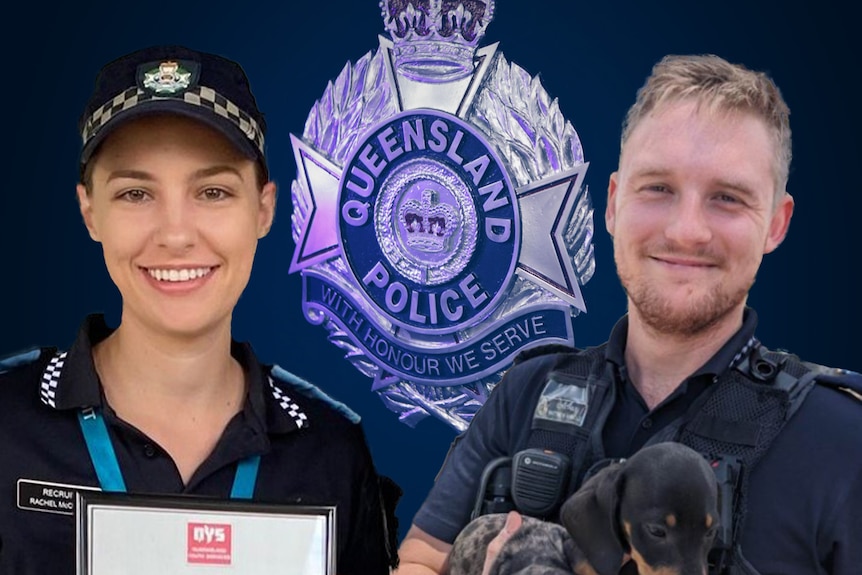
436	39
428	223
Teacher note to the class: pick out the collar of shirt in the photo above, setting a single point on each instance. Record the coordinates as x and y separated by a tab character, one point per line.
78	384
630	423
716	365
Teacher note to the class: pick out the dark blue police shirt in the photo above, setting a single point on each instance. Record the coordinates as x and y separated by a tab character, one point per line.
313	452
805	495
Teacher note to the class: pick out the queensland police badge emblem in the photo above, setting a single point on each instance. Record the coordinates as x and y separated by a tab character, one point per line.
439	218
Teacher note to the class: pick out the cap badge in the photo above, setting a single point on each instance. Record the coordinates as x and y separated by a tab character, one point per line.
169	78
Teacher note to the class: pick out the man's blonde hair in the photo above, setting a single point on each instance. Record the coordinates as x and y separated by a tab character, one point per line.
718	85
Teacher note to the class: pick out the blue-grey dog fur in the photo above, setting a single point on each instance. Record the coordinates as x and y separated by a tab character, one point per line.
537	548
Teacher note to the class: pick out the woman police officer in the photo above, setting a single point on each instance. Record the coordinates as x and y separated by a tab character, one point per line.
175	188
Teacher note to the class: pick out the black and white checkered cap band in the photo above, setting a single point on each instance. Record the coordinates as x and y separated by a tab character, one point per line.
197	96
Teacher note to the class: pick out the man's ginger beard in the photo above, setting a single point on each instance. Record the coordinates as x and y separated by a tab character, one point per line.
691	317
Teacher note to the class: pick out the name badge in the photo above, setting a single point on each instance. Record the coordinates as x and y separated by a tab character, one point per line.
48	497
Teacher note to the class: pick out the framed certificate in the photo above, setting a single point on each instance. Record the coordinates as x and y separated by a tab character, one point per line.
171	535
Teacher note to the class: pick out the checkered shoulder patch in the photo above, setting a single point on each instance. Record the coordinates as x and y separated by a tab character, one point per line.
50	378
287	404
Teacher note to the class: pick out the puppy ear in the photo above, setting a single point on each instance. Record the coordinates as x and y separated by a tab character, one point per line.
591	516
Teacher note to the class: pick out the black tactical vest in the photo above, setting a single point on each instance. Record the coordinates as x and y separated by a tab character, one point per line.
735	420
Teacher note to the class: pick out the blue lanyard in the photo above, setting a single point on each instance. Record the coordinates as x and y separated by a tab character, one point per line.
108	469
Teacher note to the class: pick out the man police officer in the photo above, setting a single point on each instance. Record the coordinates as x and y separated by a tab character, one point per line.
699	197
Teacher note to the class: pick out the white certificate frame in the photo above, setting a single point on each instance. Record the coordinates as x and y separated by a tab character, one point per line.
180	535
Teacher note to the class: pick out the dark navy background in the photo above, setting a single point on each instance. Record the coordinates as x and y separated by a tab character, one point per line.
591	55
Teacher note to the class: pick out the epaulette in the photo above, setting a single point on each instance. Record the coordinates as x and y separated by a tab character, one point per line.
10	362
850	382
547	349
312	391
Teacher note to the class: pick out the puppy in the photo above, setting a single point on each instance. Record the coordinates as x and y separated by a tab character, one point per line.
660	507
656	512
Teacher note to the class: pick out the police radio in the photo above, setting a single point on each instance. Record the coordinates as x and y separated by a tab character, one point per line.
533	482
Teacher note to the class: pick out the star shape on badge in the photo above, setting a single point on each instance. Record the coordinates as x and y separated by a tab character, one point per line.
316	198
169	77
548	207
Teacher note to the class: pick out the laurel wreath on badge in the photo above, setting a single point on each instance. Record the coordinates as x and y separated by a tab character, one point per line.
516	114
